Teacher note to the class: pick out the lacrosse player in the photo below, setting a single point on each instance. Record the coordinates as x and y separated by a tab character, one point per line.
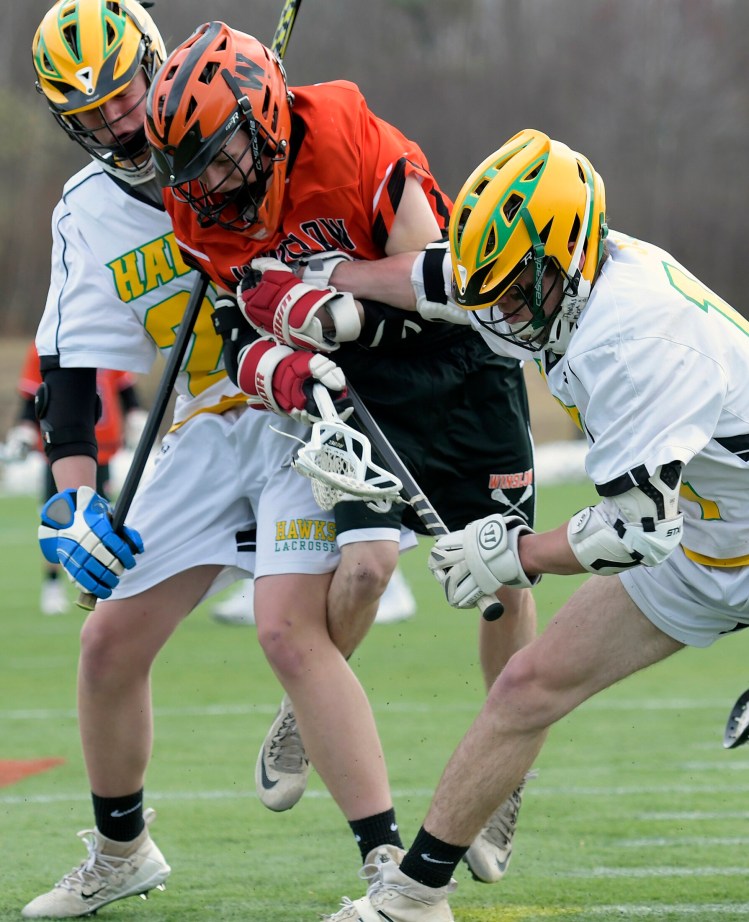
278	197
652	364
118	290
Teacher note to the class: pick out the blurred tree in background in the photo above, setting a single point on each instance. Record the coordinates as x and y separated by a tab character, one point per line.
653	91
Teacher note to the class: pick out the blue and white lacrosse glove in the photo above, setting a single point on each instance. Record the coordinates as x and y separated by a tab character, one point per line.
76	531
431	280
480	559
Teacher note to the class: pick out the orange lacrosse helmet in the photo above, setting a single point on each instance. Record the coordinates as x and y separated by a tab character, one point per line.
219	84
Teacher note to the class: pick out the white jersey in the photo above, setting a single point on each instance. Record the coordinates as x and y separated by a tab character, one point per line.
119	288
657	372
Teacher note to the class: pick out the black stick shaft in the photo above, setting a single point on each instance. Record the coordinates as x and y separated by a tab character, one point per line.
491	608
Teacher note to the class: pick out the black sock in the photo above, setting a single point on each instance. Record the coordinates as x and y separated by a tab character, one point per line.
119	818
372	831
431	861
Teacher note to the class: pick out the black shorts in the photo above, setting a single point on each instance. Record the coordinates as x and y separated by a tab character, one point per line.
457	415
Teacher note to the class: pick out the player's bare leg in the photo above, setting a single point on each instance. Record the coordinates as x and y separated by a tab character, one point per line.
356	588
334	716
119	642
488	858
596	639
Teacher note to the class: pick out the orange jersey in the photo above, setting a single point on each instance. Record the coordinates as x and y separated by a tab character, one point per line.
342	190
109	384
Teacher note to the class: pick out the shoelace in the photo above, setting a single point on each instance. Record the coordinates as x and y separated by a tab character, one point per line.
501	825
286	749
91	871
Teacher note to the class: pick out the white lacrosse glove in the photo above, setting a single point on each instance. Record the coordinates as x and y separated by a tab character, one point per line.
21	439
480	559
135	423
275	301
76	531
431	279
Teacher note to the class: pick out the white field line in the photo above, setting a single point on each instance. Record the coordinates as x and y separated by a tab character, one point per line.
692	816
651	872
538	791
677	910
686	841
238	710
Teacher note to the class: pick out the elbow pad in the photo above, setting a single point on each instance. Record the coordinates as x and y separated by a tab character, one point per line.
640	527
386	326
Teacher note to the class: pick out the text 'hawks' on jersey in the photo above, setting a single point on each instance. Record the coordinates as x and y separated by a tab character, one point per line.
122	307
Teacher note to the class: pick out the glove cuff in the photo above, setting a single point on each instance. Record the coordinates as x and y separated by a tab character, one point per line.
320	267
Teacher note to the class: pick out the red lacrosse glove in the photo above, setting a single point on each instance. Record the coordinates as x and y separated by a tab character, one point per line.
279	378
275	301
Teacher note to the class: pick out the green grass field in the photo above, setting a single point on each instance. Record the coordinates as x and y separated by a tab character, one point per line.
638	811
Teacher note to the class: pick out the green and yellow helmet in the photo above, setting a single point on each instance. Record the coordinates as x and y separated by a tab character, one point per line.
532	201
84	53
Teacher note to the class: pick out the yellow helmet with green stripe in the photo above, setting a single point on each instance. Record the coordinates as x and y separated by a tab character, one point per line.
532	201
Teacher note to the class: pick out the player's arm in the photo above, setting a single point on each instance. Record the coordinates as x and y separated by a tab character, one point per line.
640	526
414	276
76	529
388	280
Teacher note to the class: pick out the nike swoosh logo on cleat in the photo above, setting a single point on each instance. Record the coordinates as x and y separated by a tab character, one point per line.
90	896
268	785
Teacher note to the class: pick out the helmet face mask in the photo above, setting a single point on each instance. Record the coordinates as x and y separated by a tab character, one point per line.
86	53
107	139
538	296
533	202
234	199
219	121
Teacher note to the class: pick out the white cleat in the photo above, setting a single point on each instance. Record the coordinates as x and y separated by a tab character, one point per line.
379	856
238	608
489	856
397	602
393	897
112	871
282	767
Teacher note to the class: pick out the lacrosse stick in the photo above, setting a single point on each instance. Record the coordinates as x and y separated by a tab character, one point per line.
490	607
338	461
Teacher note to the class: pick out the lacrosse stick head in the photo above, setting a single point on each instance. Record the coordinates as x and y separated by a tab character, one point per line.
338	461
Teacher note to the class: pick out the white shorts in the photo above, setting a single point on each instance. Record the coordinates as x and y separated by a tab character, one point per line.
222	491
690	602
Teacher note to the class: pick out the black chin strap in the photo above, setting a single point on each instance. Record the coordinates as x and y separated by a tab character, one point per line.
246	109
